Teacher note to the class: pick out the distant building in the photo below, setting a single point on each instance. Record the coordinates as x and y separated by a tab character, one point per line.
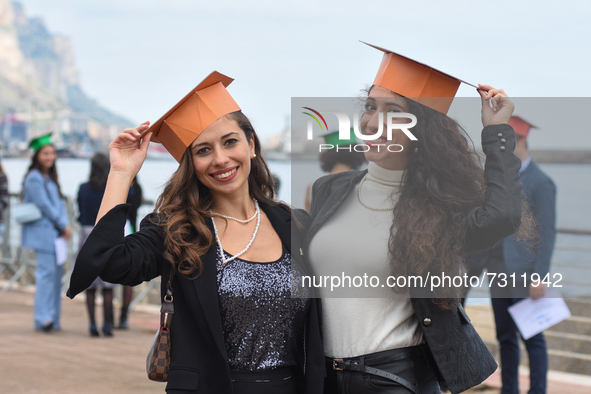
13	130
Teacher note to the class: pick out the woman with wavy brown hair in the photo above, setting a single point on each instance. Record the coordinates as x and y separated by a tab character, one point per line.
421	207
217	232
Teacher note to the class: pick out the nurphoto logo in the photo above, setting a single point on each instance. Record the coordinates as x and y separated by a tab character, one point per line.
345	129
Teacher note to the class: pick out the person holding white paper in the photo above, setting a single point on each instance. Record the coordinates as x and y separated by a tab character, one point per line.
530	266
41	187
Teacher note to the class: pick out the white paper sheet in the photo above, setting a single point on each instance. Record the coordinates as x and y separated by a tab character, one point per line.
61	250
534	316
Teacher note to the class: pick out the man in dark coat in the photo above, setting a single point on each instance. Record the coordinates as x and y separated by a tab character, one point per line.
512	257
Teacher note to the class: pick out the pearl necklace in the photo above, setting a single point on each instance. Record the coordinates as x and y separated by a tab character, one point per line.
233	218
367	206
219	242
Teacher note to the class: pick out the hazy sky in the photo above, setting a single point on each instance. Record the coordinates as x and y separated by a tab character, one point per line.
139	57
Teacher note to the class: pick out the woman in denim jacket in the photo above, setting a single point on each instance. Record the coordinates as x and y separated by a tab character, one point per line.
41	187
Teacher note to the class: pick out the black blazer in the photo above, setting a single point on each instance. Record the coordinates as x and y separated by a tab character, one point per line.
462	358
198	358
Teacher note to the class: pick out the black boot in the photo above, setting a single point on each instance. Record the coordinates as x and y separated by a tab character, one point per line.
107	330
123	324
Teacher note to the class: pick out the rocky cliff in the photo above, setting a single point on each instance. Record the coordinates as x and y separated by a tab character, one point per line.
38	71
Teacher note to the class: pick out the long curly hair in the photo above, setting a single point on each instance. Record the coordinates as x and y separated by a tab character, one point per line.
183	207
442	183
52	172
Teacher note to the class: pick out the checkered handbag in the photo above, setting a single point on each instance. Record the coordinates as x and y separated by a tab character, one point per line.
158	360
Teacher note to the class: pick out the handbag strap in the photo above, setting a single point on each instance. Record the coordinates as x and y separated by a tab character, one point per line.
167	309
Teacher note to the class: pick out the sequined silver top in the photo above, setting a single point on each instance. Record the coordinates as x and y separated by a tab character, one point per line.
263	324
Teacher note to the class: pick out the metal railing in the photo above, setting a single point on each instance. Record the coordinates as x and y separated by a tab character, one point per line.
20	262
17	264
571	259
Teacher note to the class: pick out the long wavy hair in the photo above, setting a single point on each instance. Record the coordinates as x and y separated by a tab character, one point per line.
99	172
442	183
52	172
183	207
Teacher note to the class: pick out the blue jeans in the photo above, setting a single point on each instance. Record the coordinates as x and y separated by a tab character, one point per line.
536	350
48	279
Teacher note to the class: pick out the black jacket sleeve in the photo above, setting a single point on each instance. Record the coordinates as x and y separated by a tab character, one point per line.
500	216
118	259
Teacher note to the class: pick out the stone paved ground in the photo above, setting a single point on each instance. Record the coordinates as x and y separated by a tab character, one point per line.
70	361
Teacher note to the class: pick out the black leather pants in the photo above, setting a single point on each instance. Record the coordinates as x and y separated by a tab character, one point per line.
409	365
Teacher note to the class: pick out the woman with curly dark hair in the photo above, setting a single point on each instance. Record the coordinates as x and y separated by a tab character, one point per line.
419	209
225	244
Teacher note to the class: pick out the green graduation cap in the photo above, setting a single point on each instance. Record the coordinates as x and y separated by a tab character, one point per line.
40	142
332	138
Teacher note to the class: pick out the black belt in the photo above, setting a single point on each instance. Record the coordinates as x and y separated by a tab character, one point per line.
338	364
357	364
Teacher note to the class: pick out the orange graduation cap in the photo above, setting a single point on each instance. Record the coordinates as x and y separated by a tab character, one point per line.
520	126
205	104
417	81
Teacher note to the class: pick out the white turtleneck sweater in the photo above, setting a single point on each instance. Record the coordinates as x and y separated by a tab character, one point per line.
354	242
